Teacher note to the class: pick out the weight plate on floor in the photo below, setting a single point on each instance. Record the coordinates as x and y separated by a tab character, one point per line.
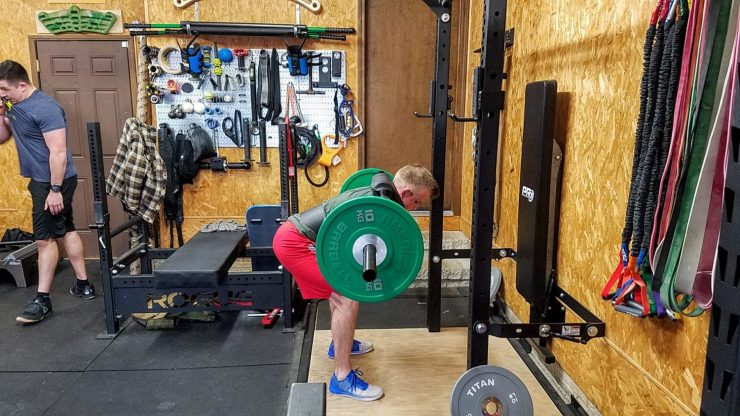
383	220
490	391
361	178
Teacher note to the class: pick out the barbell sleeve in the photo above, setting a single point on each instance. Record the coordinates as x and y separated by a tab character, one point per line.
368	263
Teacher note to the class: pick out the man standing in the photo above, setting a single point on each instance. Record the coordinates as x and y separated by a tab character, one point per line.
39	126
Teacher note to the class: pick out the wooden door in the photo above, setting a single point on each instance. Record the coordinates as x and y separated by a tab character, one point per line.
400	41
91	80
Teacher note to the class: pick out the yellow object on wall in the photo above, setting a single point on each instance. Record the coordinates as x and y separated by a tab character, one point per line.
594	51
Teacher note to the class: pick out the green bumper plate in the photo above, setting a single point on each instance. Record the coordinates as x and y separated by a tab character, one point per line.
361	178
369	218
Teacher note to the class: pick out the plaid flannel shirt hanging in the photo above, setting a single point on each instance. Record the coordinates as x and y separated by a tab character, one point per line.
137	176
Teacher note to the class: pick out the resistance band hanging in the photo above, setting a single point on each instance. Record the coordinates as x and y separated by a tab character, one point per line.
671	228
673	174
714	90
626	270
637	289
677	122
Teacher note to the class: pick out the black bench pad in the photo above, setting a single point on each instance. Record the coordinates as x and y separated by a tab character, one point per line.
202	262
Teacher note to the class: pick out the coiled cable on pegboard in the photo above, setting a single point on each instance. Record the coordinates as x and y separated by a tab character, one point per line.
308	147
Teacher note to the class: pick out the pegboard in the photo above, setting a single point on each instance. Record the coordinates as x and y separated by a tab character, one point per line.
317	109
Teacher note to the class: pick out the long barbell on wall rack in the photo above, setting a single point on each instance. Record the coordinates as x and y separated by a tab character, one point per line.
239	29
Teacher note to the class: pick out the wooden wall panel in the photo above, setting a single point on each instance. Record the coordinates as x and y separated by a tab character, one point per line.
17	24
217	195
214	195
594	51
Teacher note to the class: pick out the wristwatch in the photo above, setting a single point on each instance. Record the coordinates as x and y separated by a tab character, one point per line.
56	188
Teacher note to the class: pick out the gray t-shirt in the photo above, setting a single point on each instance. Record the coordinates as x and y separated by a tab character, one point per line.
329	205
29	120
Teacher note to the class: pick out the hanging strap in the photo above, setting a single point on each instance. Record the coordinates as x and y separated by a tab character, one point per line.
665	192
337	116
658	148
263	86
700	206
698	140
675	174
707	254
275	107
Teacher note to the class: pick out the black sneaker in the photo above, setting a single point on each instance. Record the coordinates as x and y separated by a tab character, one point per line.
87	292
34	311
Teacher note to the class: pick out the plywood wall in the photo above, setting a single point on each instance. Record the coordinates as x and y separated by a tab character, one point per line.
16	23
227	195
594	50
214	195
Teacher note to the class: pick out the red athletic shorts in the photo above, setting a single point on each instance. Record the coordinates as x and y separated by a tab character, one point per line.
297	253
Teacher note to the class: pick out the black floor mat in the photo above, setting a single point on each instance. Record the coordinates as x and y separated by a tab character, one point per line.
6	283
401	312
30	394
60	367
232	340
64	341
206	391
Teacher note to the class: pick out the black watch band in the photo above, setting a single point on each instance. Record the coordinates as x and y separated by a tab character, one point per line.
56	188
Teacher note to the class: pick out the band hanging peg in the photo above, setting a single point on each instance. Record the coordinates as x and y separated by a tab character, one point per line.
311	5
183	3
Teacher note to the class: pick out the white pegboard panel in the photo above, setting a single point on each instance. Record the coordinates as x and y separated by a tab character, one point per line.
317	109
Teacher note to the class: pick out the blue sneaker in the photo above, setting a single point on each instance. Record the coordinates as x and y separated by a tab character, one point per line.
354	387
358	347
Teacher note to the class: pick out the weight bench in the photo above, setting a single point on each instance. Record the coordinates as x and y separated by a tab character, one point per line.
194	277
20	259
203	262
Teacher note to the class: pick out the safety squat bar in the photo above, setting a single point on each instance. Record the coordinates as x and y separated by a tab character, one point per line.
488	102
126	294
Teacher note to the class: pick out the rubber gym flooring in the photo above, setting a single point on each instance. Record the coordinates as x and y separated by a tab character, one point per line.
231	366
60	367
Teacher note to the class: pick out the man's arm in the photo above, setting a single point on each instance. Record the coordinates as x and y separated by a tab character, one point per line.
56	141
5	131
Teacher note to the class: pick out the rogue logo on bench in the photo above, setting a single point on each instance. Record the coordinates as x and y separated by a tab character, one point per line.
198	300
